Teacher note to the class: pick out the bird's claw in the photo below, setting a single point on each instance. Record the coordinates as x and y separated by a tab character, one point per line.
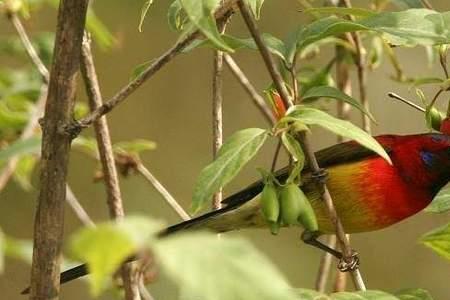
320	176
351	263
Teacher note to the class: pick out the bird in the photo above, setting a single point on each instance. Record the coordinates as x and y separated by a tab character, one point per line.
368	192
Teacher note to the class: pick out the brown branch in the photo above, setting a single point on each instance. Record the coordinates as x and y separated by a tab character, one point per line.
111	179
49	221
29	46
222	13
251	91
163	191
309	153
265	53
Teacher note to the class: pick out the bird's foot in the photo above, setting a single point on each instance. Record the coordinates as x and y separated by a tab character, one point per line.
348	264
321	176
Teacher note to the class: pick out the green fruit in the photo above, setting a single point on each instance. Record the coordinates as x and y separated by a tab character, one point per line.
290	203
434	118
269	203
274	227
307	216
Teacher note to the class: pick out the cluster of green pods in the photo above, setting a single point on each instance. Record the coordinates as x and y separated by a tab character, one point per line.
287	205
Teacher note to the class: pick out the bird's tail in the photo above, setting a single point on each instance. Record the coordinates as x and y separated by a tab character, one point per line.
241	211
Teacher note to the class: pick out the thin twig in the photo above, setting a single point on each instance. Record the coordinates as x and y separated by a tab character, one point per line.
325	266
250	89
276	155
217	115
265	53
79	211
29	46
114	198
163	191
49	220
412	104
278	82
221	13
427	4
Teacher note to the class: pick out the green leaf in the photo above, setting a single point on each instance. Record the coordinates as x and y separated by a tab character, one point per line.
366	295
232	156
334	93
105	247
24	171
354	11
440	203
255	7
221	269
100	33
312	116
19	249
134	146
87	145
293	146
139	69
438	240
144	12
21	147
305	294
200	12
405	4
175	16
413	294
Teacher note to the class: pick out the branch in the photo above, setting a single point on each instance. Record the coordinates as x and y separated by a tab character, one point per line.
77	208
114	197
250	89
222	12
164	193
49	221
278	82
29	46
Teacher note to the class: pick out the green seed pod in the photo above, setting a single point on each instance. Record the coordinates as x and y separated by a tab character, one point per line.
269	203
274	227
434	118
290	204
307	216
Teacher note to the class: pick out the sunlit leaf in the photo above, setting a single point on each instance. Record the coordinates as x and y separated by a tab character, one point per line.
87	145
438	240
354	11
134	146
293	146
305	294
413	294
200	13
363	295
175	16
405	4
144	12
19	249
255	7
232	156
221	269
105	247
334	93
440	203
24	170
139	69
312	116
21	147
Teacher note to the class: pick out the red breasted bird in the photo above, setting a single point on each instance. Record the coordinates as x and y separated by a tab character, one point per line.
368	192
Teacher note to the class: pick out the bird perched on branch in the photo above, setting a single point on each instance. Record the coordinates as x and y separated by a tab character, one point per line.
368	192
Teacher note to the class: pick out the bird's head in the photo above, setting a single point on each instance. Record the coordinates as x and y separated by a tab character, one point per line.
424	160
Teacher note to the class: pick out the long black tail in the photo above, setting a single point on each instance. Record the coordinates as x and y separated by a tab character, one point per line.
232	202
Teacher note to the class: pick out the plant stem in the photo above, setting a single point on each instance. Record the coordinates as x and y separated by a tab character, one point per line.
412	104
222	12
163	191
49	221
29	46
114	197
77	208
250	89
279	84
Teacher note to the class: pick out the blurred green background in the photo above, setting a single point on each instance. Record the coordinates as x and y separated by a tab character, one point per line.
174	110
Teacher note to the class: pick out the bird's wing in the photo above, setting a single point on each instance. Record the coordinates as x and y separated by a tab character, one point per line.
334	155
